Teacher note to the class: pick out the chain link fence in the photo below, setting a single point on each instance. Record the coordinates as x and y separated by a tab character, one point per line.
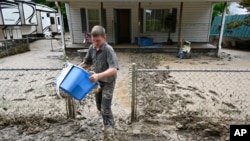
30	92
191	99
200	101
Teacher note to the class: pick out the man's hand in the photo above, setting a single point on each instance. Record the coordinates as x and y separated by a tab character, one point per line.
97	76
83	65
94	76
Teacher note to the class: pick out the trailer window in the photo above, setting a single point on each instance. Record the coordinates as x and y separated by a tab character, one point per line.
58	21
52	20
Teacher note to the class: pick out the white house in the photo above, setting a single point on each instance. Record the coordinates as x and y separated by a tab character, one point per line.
126	19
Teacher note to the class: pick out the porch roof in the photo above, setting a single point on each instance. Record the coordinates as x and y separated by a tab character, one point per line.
145	0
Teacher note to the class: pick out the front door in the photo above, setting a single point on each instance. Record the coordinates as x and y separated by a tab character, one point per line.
123	25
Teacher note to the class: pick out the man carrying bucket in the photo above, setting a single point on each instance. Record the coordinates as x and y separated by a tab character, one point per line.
105	65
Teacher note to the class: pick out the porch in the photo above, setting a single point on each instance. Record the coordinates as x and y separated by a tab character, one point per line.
199	48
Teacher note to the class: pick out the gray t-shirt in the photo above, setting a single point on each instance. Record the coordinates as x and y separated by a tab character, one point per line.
102	60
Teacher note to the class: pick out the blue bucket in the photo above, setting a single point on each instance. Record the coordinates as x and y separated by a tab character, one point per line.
144	41
77	83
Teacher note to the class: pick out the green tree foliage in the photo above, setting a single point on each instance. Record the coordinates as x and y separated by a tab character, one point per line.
52	5
218	9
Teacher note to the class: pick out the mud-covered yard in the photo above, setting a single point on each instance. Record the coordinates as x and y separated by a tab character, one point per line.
168	107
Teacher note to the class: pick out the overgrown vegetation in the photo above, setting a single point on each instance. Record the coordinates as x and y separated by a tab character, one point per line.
14	50
52	5
245	3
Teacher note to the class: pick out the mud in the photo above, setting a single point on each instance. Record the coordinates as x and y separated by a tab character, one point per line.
168	110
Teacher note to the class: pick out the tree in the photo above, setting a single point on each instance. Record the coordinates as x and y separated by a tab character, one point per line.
218	9
52	5
245	3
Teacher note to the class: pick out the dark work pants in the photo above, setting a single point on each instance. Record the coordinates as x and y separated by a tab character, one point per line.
104	100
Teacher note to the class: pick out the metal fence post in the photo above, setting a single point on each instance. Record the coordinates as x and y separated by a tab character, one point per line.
70	107
133	102
28	41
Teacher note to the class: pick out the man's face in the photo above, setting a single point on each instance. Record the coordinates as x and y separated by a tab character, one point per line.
98	40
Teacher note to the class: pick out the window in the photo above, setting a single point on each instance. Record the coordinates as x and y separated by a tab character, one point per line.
93	18
160	20
58	20
52	20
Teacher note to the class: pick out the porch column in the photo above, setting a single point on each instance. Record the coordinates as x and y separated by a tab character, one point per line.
139	24
179	28
101	9
222	28
62	27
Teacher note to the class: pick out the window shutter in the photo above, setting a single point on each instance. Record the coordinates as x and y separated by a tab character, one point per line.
174	18
84	20
141	19
104	19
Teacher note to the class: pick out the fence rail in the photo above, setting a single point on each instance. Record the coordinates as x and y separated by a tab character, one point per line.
29	69
193	70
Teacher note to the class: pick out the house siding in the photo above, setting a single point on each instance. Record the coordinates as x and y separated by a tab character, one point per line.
195	21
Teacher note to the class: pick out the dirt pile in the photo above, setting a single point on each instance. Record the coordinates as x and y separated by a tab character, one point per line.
29	125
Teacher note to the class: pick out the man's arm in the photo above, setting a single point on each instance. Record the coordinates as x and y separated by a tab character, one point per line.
112	70
97	76
87	60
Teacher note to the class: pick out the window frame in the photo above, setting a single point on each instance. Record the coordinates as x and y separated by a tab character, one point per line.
87	17
52	21
145	20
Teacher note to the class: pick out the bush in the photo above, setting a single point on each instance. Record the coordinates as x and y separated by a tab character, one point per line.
14	50
245	3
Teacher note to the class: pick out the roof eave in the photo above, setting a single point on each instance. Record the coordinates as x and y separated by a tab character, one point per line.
147	0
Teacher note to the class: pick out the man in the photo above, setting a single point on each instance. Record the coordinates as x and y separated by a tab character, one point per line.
105	65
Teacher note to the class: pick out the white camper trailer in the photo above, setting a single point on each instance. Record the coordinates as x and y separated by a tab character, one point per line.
10	20
47	20
28	18
21	19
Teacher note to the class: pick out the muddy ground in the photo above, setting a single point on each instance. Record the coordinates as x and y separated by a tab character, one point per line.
40	115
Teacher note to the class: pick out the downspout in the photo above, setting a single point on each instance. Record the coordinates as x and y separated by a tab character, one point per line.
62	28
180	23
222	28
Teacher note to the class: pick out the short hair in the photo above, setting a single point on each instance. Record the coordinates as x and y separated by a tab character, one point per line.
98	30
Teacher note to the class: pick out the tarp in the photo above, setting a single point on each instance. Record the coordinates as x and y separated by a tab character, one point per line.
236	26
